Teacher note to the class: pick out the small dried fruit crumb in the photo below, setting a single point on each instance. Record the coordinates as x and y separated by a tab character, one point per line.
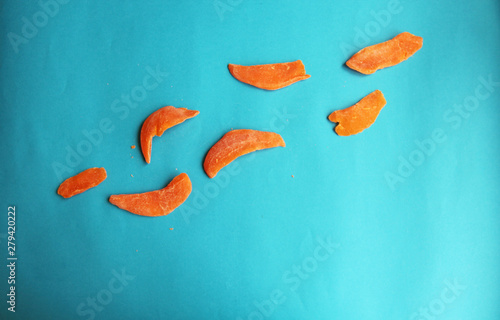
132	175
133	147
293	176
171	228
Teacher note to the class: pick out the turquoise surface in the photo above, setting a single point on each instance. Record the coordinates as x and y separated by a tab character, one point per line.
398	222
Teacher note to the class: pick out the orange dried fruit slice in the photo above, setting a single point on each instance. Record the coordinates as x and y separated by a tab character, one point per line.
236	143
385	54
360	116
270	76
158	122
82	182
156	203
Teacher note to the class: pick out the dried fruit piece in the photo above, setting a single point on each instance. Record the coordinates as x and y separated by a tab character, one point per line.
236	143
158	122
156	203
360	116
82	182
270	76
385	54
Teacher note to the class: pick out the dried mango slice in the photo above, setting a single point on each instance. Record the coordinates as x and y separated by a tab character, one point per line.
82	182
270	76
158	122
385	54
156	203
360	116
236	143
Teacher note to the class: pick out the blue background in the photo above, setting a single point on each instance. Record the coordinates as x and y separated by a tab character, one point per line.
236	240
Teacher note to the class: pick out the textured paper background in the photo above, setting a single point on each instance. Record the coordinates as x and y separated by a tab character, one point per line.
423	245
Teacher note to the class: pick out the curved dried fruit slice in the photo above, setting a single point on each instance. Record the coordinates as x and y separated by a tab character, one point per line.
270	76
82	182
360	116
158	122
385	54
156	203
236	143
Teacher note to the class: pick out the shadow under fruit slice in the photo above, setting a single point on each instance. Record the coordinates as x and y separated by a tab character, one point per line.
385	54
158	122
270	76
236	143
156	203
82	182
360	116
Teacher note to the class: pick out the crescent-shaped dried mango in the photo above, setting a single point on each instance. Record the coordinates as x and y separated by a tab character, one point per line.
360	116
385	54
82	182
158	122
156	203
270	76
236	143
